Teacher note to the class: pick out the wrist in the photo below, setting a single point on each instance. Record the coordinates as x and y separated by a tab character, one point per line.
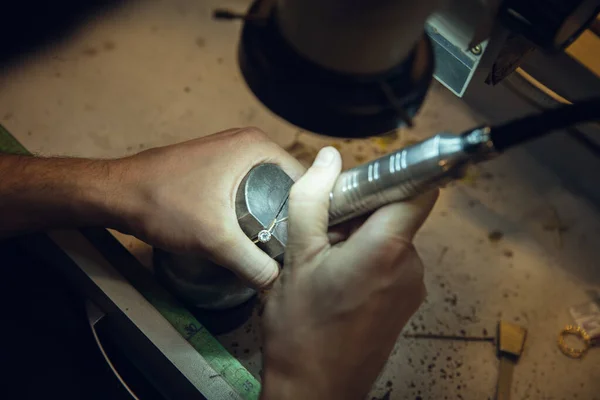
83	193
48	193
109	195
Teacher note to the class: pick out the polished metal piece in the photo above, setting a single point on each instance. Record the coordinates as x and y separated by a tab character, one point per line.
509	346
261	207
406	173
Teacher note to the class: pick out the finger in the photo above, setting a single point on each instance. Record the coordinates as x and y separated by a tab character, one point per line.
247	261
221	134
343	231
199	141
395	223
309	204
290	165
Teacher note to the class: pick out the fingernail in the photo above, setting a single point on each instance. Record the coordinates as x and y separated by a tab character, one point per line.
325	157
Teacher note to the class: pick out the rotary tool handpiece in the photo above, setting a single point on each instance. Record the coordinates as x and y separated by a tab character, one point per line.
407	173
262	208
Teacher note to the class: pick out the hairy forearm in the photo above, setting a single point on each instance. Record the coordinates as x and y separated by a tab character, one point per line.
43	193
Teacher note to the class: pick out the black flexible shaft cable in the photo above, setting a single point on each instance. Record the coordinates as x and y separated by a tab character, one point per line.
531	127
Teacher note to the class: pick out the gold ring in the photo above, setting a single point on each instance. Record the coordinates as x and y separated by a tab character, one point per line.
578	332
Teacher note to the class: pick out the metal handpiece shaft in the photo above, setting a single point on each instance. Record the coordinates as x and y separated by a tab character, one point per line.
406	173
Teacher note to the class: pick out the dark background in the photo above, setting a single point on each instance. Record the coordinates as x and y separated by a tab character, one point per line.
30	24
47	345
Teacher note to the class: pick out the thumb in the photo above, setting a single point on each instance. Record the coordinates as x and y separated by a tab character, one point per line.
395	224
247	261
309	204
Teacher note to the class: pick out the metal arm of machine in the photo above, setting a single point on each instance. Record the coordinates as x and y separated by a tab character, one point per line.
354	37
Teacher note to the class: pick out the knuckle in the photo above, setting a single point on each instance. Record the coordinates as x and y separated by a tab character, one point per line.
222	245
263	277
392	240
252	134
393	244
412	273
398	259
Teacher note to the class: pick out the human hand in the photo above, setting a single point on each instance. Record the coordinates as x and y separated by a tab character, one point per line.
336	311
181	198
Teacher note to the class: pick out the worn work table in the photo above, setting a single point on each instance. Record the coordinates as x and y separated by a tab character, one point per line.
508	242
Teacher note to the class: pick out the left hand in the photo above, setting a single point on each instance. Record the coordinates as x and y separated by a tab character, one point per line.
181	198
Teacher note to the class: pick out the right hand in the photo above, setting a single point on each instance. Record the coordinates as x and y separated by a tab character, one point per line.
336	311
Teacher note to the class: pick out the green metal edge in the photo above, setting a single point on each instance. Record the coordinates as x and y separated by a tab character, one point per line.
230	369
8	144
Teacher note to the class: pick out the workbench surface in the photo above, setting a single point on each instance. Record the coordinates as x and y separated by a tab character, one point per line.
508	242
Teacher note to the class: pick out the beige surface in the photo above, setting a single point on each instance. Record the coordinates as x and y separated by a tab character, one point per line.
586	50
153	73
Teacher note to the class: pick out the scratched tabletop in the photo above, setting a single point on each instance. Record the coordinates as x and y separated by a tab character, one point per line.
508	242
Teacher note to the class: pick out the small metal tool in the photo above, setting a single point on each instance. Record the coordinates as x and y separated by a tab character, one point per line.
464	338
510	340
510	343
